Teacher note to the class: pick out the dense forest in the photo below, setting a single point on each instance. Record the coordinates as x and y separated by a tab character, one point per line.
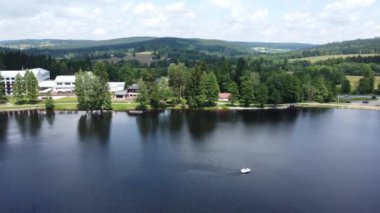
164	46
360	46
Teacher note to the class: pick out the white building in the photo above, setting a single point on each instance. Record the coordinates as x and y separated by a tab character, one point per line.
116	86
9	76
65	84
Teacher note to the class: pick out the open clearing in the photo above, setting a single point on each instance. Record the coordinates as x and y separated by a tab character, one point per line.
326	57
354	80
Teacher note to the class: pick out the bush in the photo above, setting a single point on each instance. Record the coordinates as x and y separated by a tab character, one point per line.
49	103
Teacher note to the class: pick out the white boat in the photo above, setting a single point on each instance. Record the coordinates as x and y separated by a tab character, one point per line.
245	170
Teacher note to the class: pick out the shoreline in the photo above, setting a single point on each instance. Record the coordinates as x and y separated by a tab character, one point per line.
219	108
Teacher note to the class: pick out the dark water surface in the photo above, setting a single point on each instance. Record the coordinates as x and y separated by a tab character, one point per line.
302	161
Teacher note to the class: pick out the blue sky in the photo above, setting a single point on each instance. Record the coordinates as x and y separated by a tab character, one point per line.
238	20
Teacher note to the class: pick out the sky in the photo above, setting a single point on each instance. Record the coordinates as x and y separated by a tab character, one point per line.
307	21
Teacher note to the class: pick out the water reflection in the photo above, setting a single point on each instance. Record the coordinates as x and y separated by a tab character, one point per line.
50	118
29	123
201	123
95	127
148	123
267	116
3	126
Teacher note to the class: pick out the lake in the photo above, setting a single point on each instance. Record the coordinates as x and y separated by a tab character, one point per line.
305	160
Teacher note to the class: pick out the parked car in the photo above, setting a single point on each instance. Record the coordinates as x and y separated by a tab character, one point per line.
365	102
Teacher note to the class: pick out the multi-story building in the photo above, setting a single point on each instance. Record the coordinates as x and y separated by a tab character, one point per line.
65	84
9	77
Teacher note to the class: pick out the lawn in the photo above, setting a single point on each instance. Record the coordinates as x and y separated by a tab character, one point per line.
66	100
66	103
326	57
354	80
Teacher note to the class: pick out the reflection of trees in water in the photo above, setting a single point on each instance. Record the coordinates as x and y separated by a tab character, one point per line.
176	120
268	116
29	123
92	126
314	112
3	126
148	123
50	118
277	117
201	123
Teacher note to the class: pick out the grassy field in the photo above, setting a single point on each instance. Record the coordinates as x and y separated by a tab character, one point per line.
325	57
66	103
354	80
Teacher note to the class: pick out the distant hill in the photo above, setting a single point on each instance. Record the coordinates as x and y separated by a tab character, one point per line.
139	44
359	46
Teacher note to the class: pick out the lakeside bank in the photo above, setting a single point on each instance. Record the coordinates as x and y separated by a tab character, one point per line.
120	107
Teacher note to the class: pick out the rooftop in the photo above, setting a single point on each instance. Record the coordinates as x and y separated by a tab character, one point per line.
65	78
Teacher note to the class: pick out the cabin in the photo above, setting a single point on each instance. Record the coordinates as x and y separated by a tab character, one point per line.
130	93
224	96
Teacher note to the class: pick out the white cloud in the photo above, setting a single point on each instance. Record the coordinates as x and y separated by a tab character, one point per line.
99	32
248	20
178	6
144	9
346	5
259	15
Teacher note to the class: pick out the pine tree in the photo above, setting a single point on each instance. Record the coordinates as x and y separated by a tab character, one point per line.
275	97
262	95
346	86
209	89
233	89
246	91
193	85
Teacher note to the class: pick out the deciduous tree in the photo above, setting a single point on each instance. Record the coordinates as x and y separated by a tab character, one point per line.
31	87
19	88
178	77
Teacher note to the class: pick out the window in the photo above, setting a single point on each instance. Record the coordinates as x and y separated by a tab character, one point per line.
67	83
59	83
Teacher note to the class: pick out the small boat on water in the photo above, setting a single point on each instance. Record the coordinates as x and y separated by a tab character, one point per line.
245	170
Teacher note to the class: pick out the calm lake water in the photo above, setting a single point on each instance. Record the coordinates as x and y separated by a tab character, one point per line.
303	161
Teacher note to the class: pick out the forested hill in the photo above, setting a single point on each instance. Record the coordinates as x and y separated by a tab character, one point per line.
359	46
138	44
